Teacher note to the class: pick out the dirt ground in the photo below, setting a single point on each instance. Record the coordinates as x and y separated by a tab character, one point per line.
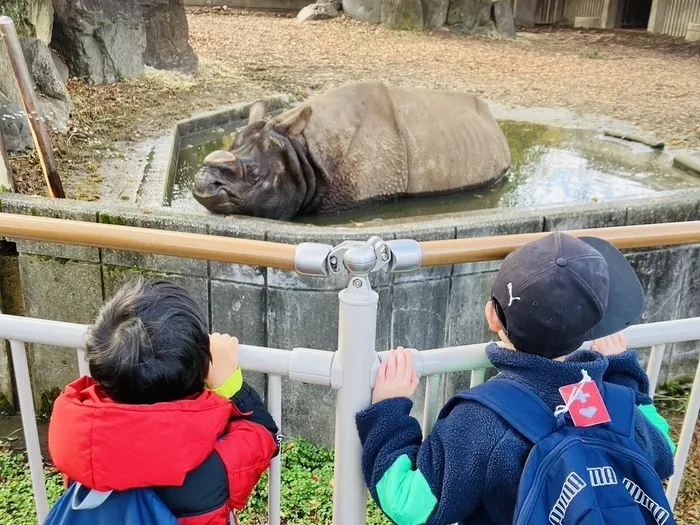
648	80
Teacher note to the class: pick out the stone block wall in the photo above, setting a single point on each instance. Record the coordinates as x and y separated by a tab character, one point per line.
430	308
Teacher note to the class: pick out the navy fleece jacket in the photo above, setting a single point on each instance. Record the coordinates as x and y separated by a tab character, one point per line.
467	470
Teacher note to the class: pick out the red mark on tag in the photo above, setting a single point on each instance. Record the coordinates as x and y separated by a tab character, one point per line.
587	408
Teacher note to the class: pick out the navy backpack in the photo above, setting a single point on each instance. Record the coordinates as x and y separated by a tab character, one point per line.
577	476
82	506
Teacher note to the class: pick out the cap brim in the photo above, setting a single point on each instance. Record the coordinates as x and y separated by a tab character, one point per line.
626	301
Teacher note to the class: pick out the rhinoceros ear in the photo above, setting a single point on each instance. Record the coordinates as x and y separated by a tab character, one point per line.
256	112
294	124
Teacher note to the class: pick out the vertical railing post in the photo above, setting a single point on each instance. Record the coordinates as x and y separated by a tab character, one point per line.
274	404
29	428
477	377
355	357
357	326
430	408
656	359
685	440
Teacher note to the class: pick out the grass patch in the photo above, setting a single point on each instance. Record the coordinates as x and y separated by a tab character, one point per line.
592	53
16	500
307	489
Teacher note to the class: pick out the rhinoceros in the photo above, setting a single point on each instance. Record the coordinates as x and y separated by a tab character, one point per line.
363	142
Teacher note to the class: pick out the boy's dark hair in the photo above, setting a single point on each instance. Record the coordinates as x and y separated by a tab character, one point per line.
150	344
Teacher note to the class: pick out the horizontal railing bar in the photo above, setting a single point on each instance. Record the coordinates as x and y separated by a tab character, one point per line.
57	333
277	361
470	357
161	242
477	249
279	255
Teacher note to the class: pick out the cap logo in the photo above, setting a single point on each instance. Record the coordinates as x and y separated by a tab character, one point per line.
510	292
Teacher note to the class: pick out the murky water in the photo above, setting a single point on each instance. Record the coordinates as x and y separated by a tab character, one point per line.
551	166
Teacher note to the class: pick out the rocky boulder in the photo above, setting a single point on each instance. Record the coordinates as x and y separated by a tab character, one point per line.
102	41
435	12
402	15
167	36
14	126
481	17
55	104
32	18
363	10
319	11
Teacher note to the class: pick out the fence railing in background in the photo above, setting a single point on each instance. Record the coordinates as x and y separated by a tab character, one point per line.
350	370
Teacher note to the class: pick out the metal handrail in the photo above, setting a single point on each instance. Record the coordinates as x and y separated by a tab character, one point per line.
280	255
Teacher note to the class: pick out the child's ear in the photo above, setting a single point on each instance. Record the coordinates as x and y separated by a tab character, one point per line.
492	318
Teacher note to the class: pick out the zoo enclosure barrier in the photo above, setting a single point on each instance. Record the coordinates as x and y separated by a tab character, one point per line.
352	369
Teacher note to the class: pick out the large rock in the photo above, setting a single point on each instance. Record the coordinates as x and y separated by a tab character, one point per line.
61	66
363	10
503	16
167	36
435	12
55	104
32	17
14	126
481	17
319	11
403	15
102	41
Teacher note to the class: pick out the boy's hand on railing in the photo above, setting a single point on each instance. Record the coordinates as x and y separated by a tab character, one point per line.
611	345
396	376
224	359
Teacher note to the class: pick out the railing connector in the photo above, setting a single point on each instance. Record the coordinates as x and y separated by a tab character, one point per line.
358	257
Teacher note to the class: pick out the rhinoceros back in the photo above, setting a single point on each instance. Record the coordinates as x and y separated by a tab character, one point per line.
377	141
452	140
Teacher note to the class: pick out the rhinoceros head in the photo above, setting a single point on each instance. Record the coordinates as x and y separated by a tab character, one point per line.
255	177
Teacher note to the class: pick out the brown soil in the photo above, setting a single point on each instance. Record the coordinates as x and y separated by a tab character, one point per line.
649	80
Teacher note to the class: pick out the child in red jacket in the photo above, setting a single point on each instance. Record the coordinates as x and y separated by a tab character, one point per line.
166	408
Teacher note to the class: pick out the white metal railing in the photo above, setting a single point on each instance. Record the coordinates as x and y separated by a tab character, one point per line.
350	370
321	368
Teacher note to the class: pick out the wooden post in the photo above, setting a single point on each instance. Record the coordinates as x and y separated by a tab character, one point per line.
6	179
25	86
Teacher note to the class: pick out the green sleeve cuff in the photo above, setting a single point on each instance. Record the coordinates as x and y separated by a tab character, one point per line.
659	422
232	385
404	494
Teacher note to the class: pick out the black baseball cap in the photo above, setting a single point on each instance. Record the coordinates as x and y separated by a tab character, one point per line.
557	292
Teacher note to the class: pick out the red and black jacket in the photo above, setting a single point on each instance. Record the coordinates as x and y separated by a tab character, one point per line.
202	456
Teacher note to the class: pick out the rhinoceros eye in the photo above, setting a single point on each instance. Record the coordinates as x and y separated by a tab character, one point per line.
253	173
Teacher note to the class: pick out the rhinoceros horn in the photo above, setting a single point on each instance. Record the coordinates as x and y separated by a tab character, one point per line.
218	158
256	112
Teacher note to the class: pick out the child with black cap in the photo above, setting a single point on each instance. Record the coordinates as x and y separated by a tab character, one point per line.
560	435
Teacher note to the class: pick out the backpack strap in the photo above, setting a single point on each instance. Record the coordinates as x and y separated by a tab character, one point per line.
517	404
93	499
620	402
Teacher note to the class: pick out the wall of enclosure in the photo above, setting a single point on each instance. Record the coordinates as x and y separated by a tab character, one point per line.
431	308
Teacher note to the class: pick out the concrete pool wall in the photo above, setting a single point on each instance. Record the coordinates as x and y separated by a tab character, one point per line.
430	308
